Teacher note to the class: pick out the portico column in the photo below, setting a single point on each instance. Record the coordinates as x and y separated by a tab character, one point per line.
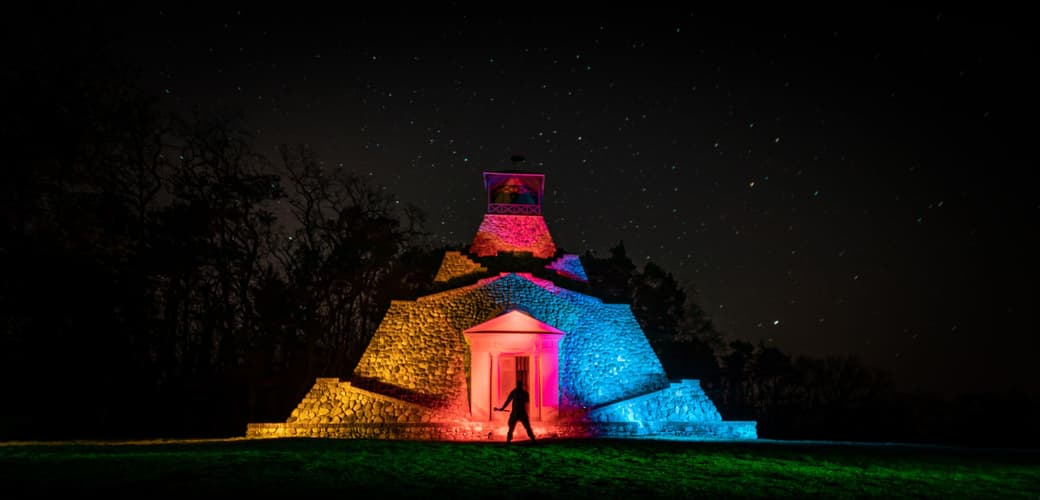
493	378
538	383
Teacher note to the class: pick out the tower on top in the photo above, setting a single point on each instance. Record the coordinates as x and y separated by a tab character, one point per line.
514	192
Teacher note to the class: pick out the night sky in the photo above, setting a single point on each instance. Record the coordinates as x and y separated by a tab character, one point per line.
833	183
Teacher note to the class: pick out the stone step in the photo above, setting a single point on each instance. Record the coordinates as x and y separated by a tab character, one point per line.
483	431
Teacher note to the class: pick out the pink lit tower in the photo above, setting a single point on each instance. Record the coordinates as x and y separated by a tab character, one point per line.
509	310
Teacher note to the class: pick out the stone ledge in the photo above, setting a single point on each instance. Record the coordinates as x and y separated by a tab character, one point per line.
694	394
482	431
456	265
375	395
397	431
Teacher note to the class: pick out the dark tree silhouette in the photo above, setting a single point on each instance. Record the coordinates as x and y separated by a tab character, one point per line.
339	258
612	276
681	334
143	261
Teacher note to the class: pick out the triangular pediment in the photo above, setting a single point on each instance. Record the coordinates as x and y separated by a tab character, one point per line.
513	322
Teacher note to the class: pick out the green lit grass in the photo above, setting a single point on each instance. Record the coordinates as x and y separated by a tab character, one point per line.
287	468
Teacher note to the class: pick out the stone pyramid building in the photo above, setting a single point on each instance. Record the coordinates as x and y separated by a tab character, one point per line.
510	309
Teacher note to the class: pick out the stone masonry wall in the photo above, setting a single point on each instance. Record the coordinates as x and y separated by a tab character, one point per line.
419	354
683	401
333	402
416	355
513	233
462	431
569	266
482	431
455	265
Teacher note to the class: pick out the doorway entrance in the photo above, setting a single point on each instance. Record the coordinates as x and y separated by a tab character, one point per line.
515	367
509	347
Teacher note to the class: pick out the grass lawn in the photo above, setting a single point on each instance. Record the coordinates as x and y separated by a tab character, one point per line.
289	468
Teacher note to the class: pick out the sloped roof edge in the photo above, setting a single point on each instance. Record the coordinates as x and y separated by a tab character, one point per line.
513	321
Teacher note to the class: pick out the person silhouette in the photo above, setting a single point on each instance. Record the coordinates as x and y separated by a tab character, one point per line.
519	398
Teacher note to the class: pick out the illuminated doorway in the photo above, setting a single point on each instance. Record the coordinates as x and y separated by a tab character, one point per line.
513	368
508	347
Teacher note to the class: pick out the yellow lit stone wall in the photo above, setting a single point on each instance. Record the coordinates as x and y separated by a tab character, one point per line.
455	265
415	355
333	402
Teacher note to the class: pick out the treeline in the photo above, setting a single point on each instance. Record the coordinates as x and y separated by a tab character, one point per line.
802	397
160	276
